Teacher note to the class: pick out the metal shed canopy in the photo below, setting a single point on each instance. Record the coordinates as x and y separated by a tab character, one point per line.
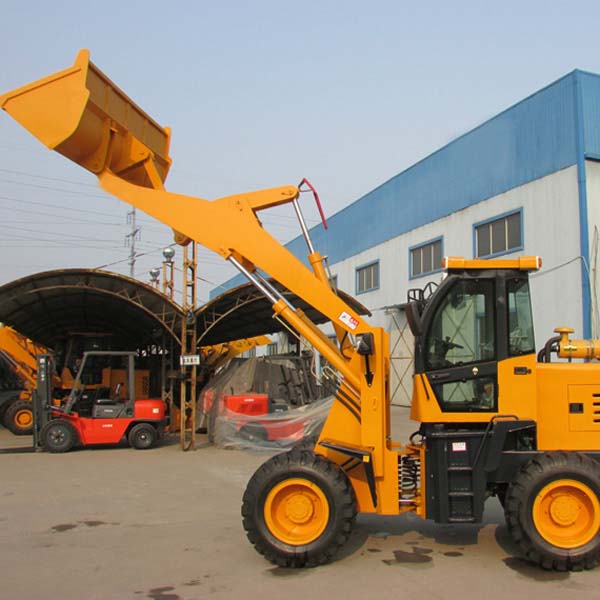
49	306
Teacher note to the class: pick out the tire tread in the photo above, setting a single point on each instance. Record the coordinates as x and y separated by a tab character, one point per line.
537	472
301	463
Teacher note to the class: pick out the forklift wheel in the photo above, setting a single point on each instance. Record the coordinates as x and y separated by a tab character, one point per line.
553	511
58	435
298	509
18	417
142	436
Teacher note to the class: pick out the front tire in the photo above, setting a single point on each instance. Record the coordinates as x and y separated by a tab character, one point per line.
298	509
553	511
58	436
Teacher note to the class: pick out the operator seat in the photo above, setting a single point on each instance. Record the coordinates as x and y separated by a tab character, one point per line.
106	407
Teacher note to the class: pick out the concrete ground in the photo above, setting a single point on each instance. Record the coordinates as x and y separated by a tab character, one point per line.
162	524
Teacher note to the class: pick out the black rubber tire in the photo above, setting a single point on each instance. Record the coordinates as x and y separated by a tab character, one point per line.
58	436
8	400
501	495
307	443
330	480
520	499
142	436
11	417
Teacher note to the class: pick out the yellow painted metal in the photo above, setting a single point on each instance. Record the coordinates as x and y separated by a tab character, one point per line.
566	513
517	395
524	263
296	511
568	348
218	354
20	352
317	261
83	115
559	386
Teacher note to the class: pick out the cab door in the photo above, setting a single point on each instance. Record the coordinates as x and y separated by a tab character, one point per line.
460	351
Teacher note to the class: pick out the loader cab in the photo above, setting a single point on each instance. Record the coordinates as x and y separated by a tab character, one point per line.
476	318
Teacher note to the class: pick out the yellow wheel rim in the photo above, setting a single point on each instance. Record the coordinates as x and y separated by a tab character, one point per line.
566	513
296	511
24	418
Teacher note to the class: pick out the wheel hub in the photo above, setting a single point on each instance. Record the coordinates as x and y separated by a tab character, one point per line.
296	511
564	510
566	513
57	435
23	418
299	508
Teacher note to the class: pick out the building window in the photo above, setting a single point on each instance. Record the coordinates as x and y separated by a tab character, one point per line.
426	258
499	236
367	278
272	349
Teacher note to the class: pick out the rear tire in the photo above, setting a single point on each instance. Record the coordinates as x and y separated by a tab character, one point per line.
553	511
18	417
142	436
298	509
7	400
58	436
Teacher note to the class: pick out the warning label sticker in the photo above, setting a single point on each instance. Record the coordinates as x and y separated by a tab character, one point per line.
459	446
348	320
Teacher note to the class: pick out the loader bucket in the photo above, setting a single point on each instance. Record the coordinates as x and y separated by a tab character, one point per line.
82	114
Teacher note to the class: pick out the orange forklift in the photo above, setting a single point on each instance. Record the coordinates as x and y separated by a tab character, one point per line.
97	415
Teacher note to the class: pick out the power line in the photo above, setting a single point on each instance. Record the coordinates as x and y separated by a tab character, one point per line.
57	206
71	181
53	189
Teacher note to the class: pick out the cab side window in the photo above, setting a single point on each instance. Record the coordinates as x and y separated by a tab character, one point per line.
520	318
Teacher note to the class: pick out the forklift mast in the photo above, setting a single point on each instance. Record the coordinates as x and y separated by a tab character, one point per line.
42	396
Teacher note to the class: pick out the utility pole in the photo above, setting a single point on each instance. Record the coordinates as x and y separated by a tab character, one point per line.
187	431
130	239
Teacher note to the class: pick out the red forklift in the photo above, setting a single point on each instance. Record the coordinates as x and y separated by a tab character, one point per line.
101	415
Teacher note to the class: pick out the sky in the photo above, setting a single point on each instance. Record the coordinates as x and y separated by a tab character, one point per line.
261	94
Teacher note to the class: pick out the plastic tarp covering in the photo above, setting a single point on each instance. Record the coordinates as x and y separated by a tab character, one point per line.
263	403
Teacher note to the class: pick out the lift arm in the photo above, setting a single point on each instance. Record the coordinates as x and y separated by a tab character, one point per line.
83	115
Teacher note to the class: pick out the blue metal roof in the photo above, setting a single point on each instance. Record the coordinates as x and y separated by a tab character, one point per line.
590	91
529	140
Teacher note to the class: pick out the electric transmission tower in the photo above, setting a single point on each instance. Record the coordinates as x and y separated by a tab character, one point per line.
130	240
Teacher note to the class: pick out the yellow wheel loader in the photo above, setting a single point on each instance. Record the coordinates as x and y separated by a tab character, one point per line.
494	416
19	355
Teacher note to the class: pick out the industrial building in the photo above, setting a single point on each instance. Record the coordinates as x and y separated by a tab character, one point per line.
525	182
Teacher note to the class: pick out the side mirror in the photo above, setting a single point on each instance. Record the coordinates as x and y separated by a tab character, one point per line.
413	318
366	344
